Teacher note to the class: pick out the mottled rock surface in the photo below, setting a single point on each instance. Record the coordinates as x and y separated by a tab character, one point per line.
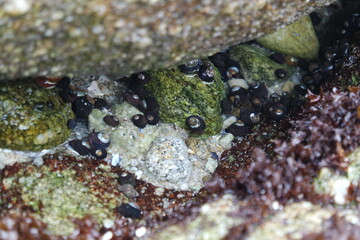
116	37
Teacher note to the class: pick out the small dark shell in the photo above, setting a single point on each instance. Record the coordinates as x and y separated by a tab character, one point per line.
280	73
126	178
314	67
238	129
249	116
67	95
311	84
78	146
226	106
190	67
111	120
99	140
99	153
278	58
151	105
129	211
327	67
195	124
303	64
257	103
218	59
82	107
141	78
64	82
134	100
275	98
139	120
100	103
126	79
152	118
138	90
285	100
277	111
225	75
71	123
258	89
300	89
239	91
206	73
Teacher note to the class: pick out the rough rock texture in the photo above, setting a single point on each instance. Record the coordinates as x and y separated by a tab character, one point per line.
93	36
32	118
181	96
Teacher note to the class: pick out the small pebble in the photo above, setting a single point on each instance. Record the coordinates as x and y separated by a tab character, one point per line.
128	190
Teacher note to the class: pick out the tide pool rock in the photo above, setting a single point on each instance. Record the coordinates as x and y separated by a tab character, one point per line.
32	118
180	96
256	66
297	39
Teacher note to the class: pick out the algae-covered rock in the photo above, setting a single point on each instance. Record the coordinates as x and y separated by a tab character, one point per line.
58	196
256	66
180	96
297	39
31	118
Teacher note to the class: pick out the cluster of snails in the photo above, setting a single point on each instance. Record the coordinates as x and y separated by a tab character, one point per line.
139	98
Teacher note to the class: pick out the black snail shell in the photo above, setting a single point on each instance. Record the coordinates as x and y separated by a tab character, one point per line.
99	140
280	73
218	59
126	178
150	105
79	147
82	107
111	120
139	120
141	78
138	89
278	57
258	89
195	124
238	129
249	116
226	106
129	211
71	123
300	89
277	111
134	100
152	118
100	103
67	95
99	153
274	98
64	82
191	66
257	103
206	73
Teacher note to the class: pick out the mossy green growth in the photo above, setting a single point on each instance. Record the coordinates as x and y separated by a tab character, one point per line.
57	196
297	39
256	66
32	118
180	96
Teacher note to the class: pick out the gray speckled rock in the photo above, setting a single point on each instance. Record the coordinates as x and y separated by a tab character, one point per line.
116	37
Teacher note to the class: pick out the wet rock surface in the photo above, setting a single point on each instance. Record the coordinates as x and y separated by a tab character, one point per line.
118	37
31	117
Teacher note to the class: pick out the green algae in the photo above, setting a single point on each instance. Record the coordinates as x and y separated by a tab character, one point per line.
256	66
180	96
57	197
32	118
297	39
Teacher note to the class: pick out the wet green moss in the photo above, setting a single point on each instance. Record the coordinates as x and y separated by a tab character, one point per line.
180	96
32	118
